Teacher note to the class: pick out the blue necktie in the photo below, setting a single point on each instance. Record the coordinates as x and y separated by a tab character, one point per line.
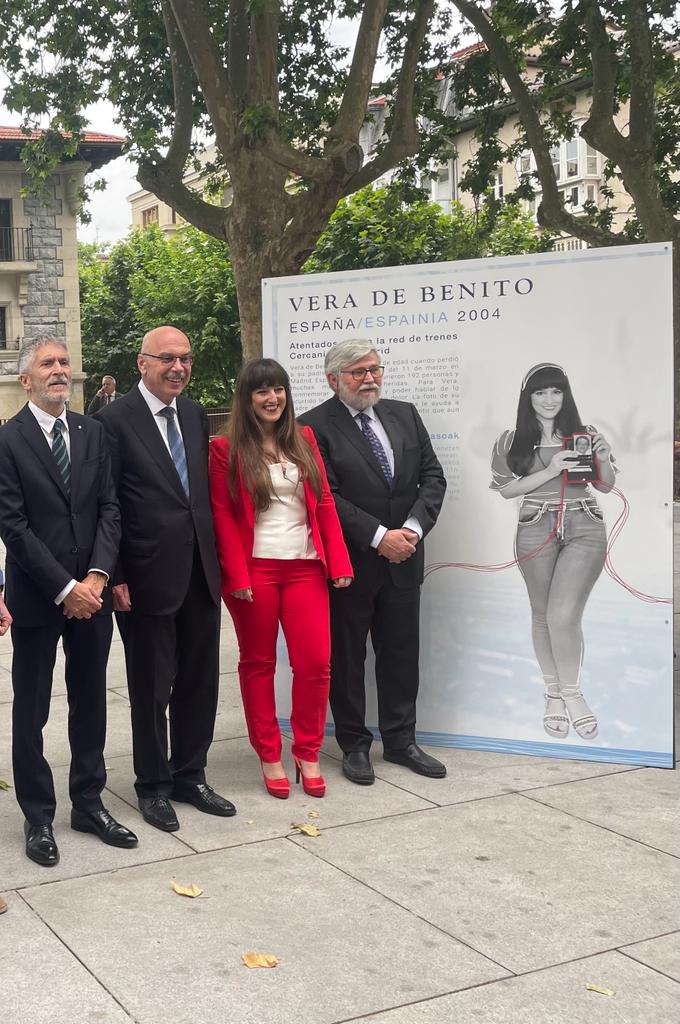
179	456
376	446
60	453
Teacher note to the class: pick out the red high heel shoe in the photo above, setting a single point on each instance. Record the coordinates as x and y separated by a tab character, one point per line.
313	785
280	788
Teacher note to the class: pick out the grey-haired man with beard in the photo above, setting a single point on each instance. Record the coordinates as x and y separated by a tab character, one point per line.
388	487
60	523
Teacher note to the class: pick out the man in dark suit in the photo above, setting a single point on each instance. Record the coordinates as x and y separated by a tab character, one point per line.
106	394
60	522
167	584
388	487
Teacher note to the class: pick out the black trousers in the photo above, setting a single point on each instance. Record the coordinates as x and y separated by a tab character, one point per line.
392	617
86	647
172	663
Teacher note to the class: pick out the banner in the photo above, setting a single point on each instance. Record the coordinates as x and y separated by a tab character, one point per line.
457	340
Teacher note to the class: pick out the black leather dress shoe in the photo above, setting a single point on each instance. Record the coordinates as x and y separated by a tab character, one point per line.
41	846
204	798
357	767
417	760
157	810
101	823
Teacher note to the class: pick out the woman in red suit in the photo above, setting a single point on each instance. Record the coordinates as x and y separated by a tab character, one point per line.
278	540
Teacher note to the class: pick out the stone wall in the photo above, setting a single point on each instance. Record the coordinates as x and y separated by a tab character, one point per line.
43	311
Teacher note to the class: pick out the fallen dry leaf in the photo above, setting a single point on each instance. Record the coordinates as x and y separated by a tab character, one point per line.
314	814
259	959
306	827
3	784
597	988
186	890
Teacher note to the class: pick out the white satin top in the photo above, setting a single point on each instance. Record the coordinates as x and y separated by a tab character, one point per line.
282	531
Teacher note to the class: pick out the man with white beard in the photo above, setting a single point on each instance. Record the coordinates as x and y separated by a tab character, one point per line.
388	487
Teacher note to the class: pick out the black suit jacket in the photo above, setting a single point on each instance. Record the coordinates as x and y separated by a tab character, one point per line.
159	521
98	403
363	497
51	538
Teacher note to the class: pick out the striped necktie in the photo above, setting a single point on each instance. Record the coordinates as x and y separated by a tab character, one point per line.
376	446
60	453
179	455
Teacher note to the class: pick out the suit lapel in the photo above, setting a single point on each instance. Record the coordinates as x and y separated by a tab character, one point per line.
347	426
77	442
141	418
36	440
191	436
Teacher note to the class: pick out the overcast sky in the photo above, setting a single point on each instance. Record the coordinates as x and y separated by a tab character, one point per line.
109	209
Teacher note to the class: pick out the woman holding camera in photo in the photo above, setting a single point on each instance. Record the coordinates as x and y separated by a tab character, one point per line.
560	520
278	541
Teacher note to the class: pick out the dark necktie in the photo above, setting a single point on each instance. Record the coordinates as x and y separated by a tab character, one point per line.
60	453
376	446
179	456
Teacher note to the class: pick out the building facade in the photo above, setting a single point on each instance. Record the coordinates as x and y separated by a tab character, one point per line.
39	258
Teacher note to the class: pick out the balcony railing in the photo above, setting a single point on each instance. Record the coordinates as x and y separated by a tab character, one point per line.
16	244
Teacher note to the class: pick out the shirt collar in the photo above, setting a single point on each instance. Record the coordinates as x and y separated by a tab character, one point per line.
155	404
46	419
355	413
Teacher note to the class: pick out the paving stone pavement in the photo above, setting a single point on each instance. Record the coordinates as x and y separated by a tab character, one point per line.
496	896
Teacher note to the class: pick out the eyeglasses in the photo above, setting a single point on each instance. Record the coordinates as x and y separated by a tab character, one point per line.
186	359
376	372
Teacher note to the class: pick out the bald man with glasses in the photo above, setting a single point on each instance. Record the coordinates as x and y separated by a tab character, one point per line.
167	584
388	487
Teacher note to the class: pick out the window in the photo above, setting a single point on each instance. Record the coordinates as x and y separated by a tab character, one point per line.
525	163
572	158
498	186
6	229
569	196
591	193
591	160
149	216
3	326
555	157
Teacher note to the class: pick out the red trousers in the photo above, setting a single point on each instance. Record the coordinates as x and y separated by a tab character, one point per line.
295	594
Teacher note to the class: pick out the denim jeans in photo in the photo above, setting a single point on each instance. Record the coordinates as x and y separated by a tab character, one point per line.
559	580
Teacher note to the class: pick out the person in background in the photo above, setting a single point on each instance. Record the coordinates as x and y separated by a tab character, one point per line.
106	394
278	540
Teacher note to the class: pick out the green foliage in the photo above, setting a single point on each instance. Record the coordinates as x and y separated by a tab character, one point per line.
147	280
552	47
377	228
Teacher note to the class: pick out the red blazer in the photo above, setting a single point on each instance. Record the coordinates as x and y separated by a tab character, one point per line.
235	521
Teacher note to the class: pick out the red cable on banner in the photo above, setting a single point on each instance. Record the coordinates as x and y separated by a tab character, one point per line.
609	567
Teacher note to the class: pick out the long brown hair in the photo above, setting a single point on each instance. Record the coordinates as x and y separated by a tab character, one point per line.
246	435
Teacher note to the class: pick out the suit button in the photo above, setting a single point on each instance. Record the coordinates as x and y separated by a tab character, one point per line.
74	551
73	516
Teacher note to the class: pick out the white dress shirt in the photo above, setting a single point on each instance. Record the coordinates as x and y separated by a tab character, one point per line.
156	406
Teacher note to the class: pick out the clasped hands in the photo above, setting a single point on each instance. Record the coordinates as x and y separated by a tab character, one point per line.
398	545
84	600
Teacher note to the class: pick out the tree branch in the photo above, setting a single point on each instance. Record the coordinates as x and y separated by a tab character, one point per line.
551	211
642	78
404	139
192	19
311	168
600	124
182	81
263	61
239	34
161	180
352	111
